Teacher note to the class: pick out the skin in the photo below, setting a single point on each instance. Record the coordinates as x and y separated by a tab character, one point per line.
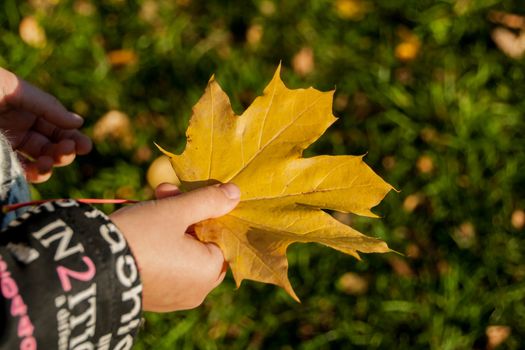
177	270
38	126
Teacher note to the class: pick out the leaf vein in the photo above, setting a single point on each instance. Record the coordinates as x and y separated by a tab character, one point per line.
254	251
266	116
272	139
314	191
211	131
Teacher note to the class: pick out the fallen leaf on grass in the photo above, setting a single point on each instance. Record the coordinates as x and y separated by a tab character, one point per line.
282	193
32	33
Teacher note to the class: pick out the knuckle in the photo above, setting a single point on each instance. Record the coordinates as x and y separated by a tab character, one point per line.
214	199
54	101
197	297
209	275
197	300
214	195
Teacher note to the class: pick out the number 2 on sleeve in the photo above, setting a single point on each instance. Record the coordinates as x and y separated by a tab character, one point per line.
64	274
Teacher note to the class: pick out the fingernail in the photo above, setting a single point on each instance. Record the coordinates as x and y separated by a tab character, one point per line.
77	118
231	191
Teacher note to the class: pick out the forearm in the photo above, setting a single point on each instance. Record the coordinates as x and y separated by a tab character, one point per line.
68	280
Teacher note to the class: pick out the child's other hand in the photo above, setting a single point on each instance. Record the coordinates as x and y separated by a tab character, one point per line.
38	126
176	269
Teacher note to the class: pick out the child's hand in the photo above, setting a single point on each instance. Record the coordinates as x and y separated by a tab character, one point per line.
176	269
38	126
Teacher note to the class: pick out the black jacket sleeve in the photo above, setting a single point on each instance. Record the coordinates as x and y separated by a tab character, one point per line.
67	281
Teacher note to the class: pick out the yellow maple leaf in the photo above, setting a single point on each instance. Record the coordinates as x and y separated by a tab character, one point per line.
282	193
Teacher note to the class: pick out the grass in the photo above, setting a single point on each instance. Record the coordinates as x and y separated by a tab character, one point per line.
420	87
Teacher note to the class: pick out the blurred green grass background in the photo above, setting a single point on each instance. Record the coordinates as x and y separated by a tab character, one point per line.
422	87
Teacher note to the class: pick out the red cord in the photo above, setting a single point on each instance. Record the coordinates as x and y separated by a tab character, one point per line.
10	207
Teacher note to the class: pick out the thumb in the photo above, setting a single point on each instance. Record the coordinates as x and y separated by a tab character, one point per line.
206	203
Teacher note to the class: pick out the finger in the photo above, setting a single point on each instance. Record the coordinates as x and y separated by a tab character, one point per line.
47	129
36	145
21	94
223	267
40	170
15	124
222	273
220	279
83	143
210	261
63	153
205	203
165	190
